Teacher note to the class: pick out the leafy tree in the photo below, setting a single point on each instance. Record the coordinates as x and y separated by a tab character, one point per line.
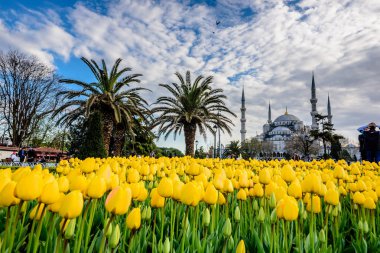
93	145
27	94
200	153
141	144
233	150
251	148
169	152
110	95
192	106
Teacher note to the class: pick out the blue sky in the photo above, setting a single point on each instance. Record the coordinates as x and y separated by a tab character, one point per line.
270	47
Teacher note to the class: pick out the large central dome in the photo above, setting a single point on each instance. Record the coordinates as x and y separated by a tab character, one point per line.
286	117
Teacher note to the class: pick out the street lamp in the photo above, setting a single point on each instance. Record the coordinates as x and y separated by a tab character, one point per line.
214	153
196	145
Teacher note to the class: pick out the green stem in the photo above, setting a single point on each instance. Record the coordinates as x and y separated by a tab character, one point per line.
40	222
14	226
89	224
103	241
312	225
78	241
49	234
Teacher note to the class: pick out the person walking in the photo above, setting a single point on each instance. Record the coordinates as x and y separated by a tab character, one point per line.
372	143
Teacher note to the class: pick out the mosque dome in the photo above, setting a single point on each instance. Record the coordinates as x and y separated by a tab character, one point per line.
286	118
281	130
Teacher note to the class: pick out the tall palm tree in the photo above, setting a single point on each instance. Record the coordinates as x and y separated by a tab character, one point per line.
192	106
109	95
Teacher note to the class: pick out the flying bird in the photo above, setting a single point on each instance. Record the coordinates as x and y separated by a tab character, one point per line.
217	22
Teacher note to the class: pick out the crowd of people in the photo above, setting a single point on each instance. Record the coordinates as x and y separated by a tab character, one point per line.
369	141
28	155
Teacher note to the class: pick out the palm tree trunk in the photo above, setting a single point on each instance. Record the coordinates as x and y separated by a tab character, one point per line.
119	138
107	130
190	130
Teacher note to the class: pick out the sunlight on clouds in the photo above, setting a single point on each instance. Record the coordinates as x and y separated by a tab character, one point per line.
270	46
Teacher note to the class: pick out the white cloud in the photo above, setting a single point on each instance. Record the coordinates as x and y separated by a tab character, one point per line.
272	51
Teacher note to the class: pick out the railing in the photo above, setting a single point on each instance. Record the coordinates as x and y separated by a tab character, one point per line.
23	164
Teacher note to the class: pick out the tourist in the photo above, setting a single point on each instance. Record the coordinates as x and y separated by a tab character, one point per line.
22	154
371	143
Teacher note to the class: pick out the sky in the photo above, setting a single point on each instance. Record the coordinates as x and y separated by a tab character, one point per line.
269	47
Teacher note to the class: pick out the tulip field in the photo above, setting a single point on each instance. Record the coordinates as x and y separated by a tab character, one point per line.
190	205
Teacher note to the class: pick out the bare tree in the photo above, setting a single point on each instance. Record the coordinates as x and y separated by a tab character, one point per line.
27	93
302	144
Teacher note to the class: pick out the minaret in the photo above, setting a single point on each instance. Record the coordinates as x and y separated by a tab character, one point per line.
329	116
243	120
269	114
313	101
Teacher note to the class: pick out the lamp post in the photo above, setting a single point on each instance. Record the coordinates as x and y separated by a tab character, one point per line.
214	153
196	145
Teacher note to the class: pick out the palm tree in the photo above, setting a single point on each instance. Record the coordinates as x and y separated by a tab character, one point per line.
233	150
192	106
109	95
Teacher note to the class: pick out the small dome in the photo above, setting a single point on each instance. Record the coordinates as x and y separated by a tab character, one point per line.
286	117
281	130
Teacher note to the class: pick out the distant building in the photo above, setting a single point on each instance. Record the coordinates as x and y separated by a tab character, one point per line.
286	125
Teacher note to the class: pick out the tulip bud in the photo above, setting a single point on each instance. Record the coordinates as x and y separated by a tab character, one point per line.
115	237
227	228
360	225
150	185
304	215
230	243
148	213
273	216
167	245
322	236
255	205
160	246
24	207
365	226
261	216
109	231
69	232
206	217
335	211
237	213
272	200
301	207
143	214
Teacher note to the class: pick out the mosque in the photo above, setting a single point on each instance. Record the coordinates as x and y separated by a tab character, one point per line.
284	126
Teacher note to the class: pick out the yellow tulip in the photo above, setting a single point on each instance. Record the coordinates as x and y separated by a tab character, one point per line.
7	195
359	198
156	199
29	187
190	194
71	205
290	209
211	195
50	193
177	189
243	180
134	219
287	173
316	201
55	206
33	213
241	195
96	188
312	183
258	190
295	189
265	176
221	199
165	187
78	182
119	200
241	247
227	185
4	180
133	176
339	172
332	197
63	184
143	194
369	203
